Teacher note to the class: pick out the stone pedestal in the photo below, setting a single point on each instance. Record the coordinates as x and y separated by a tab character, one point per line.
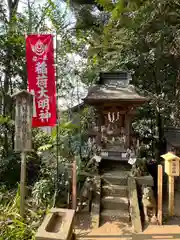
57	225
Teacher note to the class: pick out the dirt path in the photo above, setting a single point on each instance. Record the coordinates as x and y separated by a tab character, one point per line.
113	229
110	230
82	228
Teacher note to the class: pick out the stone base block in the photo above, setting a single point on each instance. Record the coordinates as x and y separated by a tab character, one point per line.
57	225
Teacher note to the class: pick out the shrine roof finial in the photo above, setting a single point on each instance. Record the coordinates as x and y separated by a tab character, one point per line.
120	78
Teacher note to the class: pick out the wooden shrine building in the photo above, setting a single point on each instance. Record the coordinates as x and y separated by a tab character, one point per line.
115	101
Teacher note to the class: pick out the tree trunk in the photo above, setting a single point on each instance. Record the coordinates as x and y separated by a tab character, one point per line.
7	106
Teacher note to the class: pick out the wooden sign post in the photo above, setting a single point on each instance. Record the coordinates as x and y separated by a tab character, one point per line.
159	184
171	195
172	163
23	125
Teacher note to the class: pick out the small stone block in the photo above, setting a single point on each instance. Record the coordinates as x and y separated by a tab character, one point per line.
57	225
145	180
95	221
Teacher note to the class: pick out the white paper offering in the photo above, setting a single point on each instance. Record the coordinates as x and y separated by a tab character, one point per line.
124	155
132	160
97	158
104	154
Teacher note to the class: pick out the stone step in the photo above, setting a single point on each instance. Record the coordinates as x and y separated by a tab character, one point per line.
115	158
114	148
112	165
114	190
114	215
114	203
115	177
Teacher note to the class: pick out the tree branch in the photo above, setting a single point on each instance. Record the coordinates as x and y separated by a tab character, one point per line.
42	17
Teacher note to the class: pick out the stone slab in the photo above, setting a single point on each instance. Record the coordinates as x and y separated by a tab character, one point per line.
162	229
109	231
164	232
95	207
110	202
114	190
115	178
115	215
134	205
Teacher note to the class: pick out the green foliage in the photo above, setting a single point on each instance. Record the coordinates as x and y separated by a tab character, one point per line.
106	4
72	142
142	37
12	226
40	138
10	164
10	168
43	180
71	134
42	192
139	36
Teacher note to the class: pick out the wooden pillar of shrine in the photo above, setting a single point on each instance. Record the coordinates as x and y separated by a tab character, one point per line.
133	139
127	129
99	123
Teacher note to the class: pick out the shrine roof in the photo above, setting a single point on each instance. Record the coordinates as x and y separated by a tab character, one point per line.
113	92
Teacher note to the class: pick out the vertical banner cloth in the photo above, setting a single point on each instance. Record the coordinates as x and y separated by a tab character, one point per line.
41	78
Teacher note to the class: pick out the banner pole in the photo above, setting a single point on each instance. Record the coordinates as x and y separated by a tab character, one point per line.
57	125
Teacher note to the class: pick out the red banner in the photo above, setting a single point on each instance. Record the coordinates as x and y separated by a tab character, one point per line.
41	78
